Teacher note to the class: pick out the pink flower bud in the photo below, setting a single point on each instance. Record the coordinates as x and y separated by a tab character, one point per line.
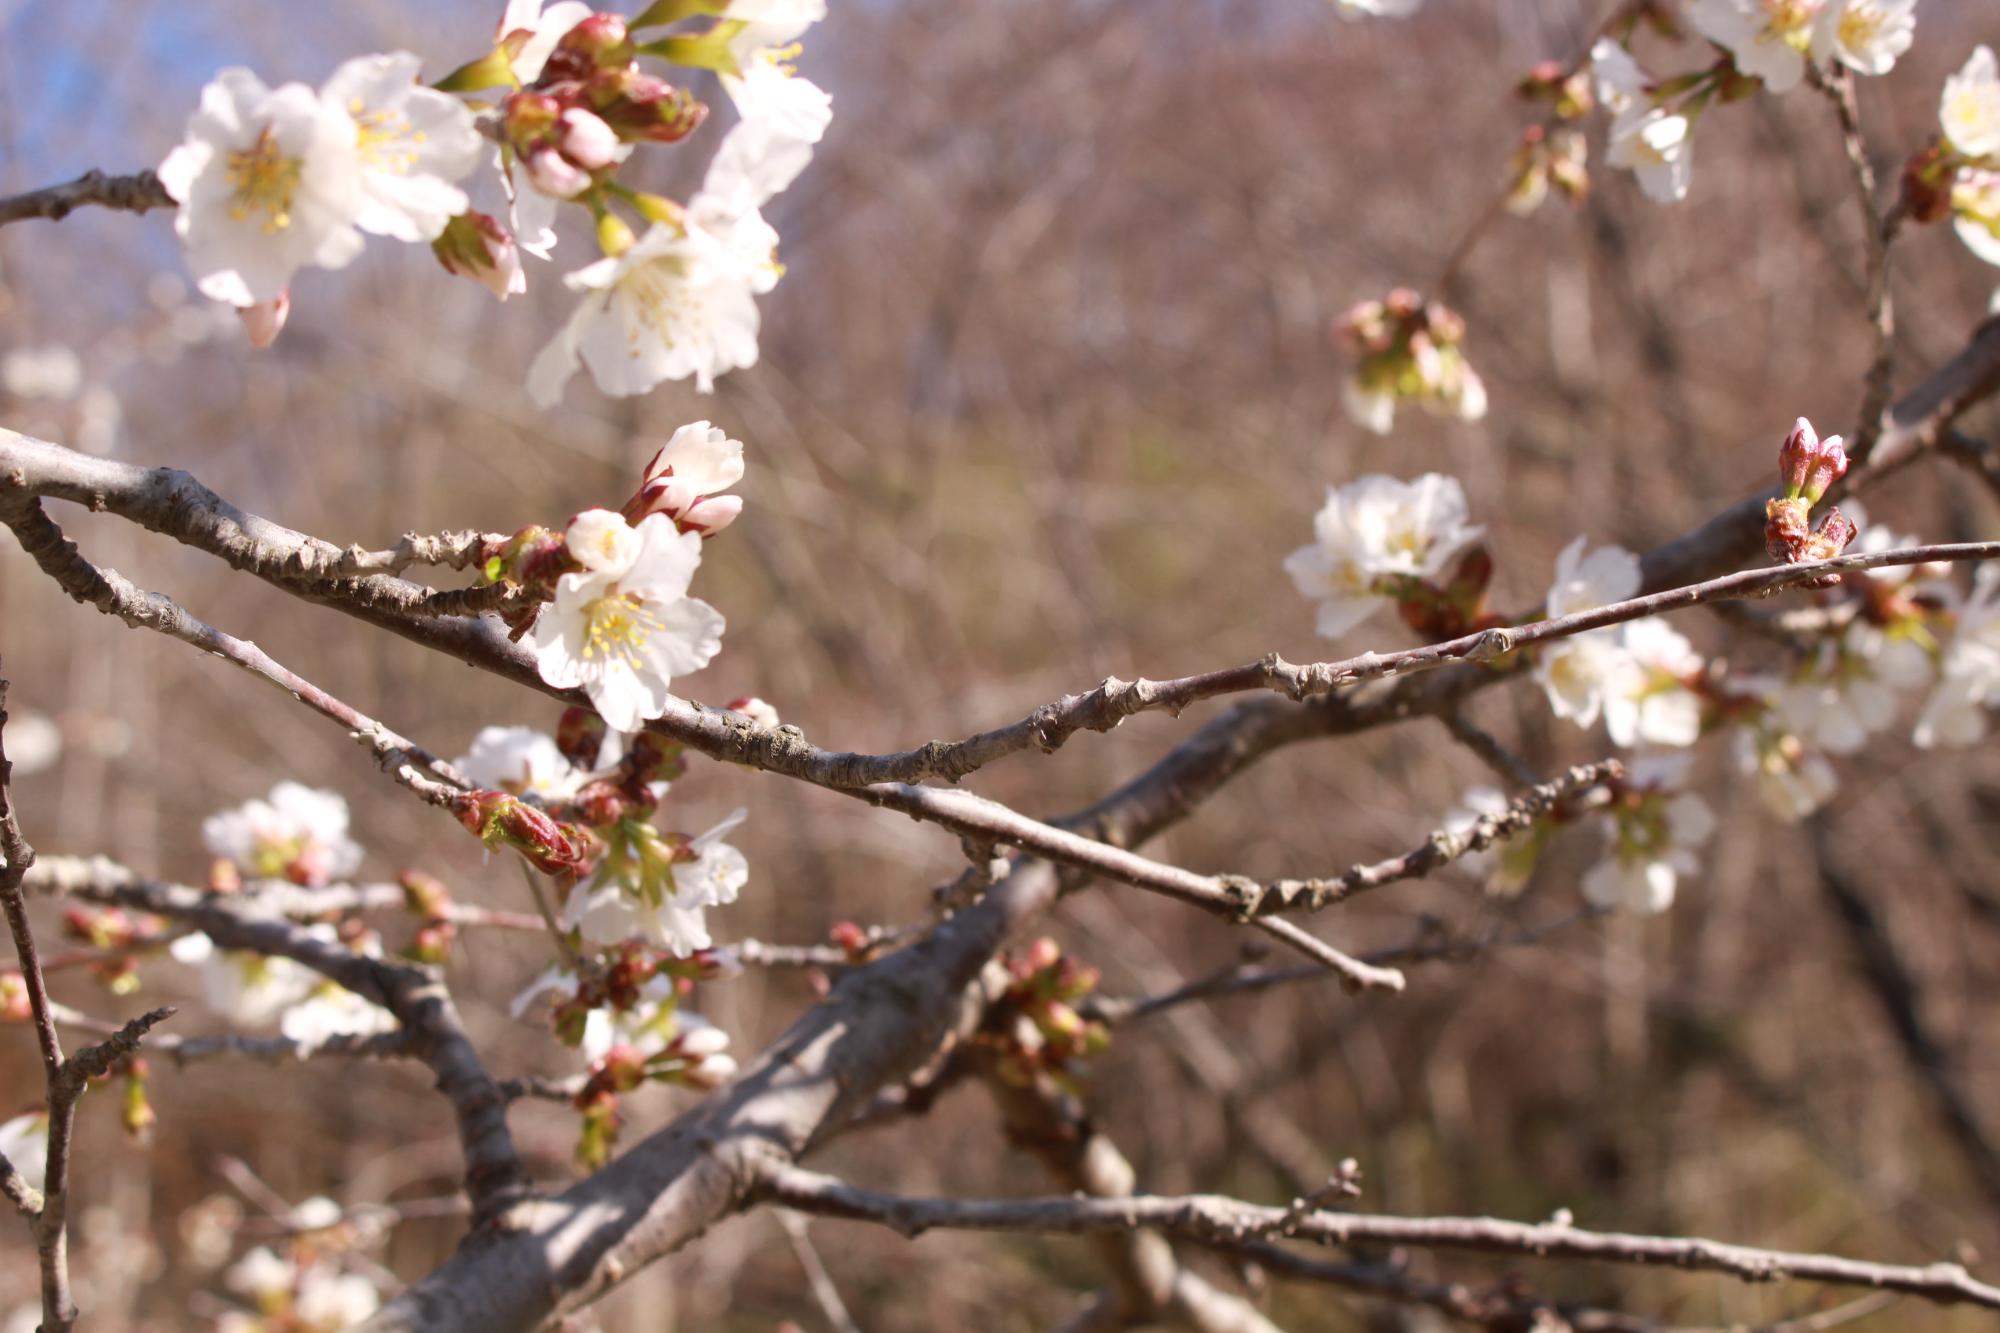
621	1069
711	514
1808	464
264	321
553	174
476	246
602	39
588	141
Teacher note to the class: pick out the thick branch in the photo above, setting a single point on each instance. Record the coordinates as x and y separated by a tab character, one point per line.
1216	1218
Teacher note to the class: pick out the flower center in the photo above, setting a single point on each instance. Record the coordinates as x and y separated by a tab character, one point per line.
263	180
616	627
384	138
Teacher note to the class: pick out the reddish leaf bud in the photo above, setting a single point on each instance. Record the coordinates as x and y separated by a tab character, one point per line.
501	820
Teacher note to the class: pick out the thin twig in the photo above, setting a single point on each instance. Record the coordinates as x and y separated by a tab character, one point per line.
817	1278
110	592
1242	980
1879	233
1215	1217
51	1235
1509	766
138	193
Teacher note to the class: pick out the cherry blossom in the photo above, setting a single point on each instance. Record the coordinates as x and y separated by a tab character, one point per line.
1968	671
685	479
1621	84
522	762
1768	38
474	245
1647	700
1377	528
311	1297
1504	869
413	144
332	1010
299	834
537	29
1853	688
1407	349
1656	146
1969	111
661	897
1575	671
264	321
1791	780
269	181
1975	206
1655	829
622	630
251	990
1583	583
1868	36
679	302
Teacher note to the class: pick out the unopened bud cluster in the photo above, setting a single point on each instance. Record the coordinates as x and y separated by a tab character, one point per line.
1408	349
1809	466
1553	153
1040	1033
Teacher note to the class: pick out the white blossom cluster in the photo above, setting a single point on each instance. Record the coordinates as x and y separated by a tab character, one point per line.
273	180
1897	632
1370	536
1969	114
1653	120
297	834
306	1292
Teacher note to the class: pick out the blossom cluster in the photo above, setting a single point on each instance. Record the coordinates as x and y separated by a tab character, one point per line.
1959	175
305	1284
1378	540
1765	43
273	180
1883	636
1407	349
623	1009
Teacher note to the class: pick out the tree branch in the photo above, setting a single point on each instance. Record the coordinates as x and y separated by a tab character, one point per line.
1214	1217
140	192
17	857
416	995
110	592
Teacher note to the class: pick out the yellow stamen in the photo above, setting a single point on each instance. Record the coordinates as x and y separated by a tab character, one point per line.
263	180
